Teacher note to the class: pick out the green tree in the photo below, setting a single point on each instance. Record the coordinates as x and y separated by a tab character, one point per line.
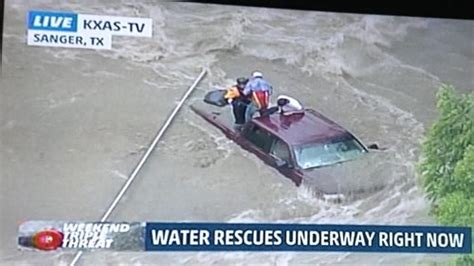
447	140
447	165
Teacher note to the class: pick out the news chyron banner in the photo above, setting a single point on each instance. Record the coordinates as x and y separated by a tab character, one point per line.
73	30
145	236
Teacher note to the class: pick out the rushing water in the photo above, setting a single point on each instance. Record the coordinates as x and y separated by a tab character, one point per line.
74	122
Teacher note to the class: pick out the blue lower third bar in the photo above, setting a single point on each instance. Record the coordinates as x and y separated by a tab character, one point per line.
306	237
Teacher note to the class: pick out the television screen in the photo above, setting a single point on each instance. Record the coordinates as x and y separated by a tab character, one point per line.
336	119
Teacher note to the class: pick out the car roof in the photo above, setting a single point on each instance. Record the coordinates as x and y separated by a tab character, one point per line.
304	128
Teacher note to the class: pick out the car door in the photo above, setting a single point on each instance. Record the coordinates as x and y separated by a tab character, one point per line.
259	141
270	149
284	161
281	155
281	152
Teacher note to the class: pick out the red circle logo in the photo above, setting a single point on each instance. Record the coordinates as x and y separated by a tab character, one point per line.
48	239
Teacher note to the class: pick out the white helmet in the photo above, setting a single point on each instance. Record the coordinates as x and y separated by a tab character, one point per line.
257	74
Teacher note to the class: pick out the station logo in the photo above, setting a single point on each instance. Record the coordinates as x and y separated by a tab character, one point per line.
73	30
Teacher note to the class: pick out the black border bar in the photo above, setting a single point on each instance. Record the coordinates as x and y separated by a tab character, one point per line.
2	18
434	9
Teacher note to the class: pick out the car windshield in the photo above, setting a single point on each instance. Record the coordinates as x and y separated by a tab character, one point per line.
322	154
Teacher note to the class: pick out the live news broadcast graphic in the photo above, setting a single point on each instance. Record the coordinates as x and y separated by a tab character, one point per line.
87	85
74	30
45	236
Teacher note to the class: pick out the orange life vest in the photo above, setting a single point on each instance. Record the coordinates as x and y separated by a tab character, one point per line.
232	93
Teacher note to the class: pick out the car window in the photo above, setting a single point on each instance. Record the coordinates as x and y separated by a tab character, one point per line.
259	137
280	150
317	155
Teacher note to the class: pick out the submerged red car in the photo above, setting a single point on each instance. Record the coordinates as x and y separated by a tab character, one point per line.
305	147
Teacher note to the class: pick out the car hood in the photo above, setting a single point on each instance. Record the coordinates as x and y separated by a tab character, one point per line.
367	173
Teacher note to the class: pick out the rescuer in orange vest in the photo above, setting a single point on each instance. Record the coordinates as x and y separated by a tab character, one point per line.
239	101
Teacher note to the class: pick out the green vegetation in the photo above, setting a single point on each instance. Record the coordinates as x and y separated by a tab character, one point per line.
447	167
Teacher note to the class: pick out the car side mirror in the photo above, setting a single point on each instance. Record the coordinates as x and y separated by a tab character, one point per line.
373	147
